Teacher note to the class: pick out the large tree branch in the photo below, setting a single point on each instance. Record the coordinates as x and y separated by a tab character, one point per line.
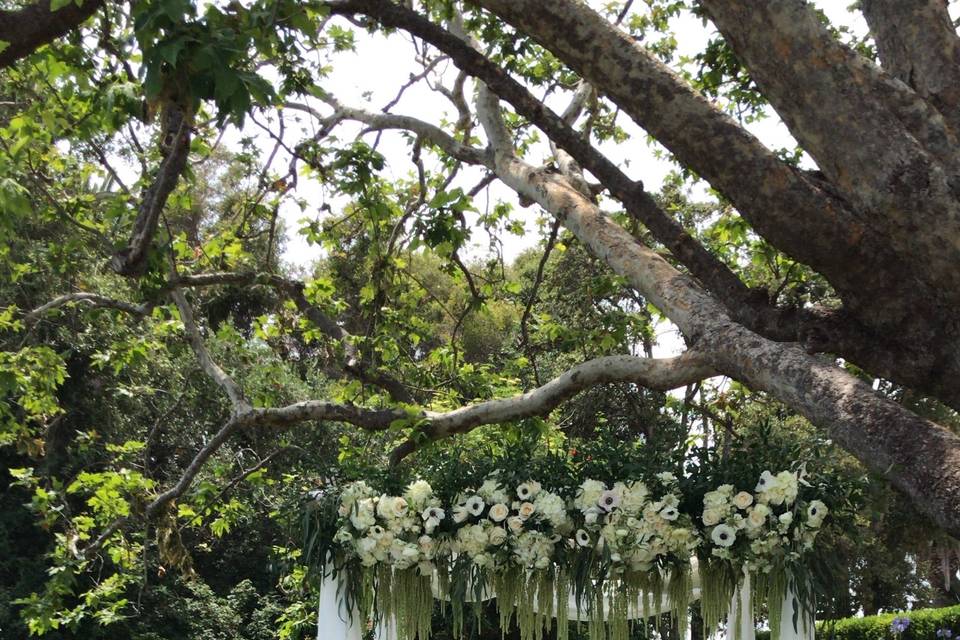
26	30
175	143
775	198
211	368
91	299
657	374
918	45
879	143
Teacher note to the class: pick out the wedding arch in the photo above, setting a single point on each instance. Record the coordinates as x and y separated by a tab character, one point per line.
607	556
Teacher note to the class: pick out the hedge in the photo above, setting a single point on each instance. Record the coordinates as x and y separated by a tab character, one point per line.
924	624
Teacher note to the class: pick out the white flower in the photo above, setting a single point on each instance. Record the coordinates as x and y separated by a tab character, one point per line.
589	494
499	512
460	513
712	516
766	481
492	491
723	536
590	515
526	510
666	477
528	490
475	505
497	536
433	513
363	515
786	519
418	494
633	498
743	500
515	523
816	512
758	516
609	500
670	513
391	508
789	485
552	507
427	546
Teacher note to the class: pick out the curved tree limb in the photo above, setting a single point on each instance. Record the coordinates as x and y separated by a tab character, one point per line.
26	30
91	299
211	368
658	374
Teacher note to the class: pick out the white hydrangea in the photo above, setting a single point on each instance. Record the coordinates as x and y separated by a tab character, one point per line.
418	494
552	507
589	494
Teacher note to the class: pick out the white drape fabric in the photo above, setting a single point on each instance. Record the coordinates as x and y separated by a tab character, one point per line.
741	613
335	623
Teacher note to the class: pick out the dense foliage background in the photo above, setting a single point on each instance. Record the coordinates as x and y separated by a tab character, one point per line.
101	409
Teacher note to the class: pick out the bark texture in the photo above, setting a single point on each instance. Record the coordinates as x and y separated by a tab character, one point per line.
33	26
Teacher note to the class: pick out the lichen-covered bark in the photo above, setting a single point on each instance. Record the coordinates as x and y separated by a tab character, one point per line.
919	46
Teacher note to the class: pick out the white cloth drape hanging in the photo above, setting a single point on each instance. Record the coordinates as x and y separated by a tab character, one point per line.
334	622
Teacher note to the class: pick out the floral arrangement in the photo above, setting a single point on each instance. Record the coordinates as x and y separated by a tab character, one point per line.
616	551
761	534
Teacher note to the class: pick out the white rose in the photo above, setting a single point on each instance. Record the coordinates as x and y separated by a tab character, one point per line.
499	512
591	515
515	523
743	500
786	519
711	517
758	516
498	536
723	536
526	510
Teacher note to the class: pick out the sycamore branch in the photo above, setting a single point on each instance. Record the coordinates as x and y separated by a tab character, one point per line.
207	363
657	374
27	29
90	299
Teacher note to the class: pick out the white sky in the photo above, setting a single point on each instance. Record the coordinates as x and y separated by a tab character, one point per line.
370	78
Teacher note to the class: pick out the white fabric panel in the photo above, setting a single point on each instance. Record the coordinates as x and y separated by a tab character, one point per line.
333	622
386	630
741	605
805	627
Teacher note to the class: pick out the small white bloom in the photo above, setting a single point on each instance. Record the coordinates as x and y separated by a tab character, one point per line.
669	513
528	490
712	516
526	510
666	477
591	515
786	519
609	500
758	516
497	536
499	512
418	493
723	536
743	500
816	512
766	481
589	493
515	523
475	505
